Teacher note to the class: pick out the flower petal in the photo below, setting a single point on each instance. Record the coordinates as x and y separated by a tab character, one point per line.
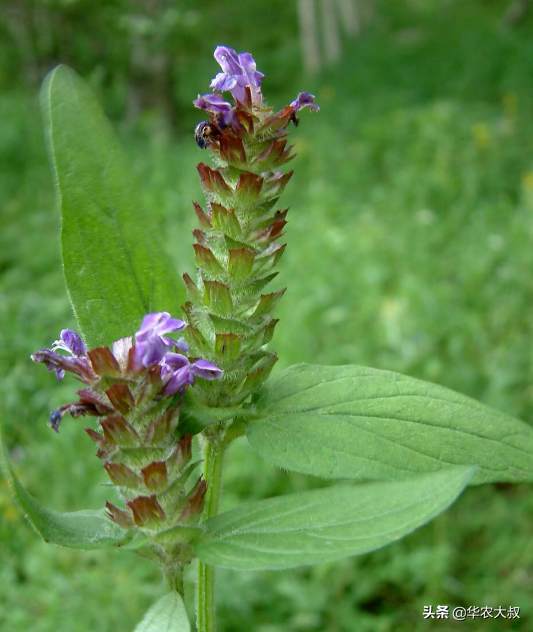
305	99
206	370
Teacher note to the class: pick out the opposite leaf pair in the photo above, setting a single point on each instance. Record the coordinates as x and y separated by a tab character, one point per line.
422	443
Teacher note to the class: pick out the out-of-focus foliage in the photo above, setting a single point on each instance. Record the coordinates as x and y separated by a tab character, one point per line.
410	248
142	54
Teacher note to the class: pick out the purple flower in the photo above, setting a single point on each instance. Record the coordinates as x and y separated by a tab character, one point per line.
151	344
215	103
238	71
304	99
71	342
182	372
53	361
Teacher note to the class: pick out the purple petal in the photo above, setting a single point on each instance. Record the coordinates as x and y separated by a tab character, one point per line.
153	320
223	82
249	67
205	369
239	71
151	351
178	381
215	103
150	343
305	99
228	60
172	325
211	100
182	345
58	363
73	342
70	342
160	323
176	360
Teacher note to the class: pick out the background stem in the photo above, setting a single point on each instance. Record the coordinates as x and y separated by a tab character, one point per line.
205	588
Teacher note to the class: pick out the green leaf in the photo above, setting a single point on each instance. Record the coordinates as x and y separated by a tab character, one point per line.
327	524
114	264
78	530
357	422
168	614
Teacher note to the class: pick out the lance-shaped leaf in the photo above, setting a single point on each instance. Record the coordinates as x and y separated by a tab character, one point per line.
90	529
358	422
326	524
168	614
115	267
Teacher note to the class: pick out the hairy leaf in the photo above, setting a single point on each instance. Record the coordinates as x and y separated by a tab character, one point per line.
114	264
326	524
168	614
78	530
357	422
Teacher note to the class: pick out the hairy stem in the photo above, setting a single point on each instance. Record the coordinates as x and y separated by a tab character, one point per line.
174	577
205	588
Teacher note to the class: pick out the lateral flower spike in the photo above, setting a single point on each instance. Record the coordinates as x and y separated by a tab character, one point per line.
229	318
133	390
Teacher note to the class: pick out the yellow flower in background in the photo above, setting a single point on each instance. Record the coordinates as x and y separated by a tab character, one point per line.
527	181
482	136
510	104
10	513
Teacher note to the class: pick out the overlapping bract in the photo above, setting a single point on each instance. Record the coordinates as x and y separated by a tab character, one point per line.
237	244
136	391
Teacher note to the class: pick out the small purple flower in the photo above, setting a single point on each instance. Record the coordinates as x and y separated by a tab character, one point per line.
182	372
238	71
304	99
55	362
71	342
215	103
151	344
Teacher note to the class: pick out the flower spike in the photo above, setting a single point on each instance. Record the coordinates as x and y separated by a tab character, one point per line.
135	391
238	244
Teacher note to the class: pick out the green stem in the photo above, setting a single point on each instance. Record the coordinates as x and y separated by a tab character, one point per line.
205	588
174	577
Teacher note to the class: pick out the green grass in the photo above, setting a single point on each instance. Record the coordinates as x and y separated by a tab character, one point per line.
410	248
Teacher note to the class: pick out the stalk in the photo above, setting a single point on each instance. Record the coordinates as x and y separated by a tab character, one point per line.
205	588
237	249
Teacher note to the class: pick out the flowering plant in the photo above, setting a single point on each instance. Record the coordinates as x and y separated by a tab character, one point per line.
156	385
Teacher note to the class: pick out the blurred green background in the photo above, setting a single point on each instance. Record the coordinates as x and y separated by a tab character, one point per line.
410	248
